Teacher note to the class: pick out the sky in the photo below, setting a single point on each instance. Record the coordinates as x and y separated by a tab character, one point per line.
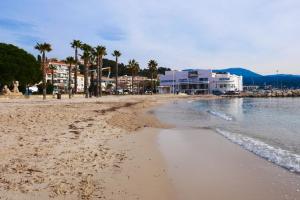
260	35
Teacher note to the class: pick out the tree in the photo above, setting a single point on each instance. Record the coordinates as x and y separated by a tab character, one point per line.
152	65
86	56
52	68
18	65
43	48
162	70
71	61
116	54
100	52
134	68
76	44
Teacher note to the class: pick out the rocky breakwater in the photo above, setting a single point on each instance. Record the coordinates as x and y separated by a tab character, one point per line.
271	93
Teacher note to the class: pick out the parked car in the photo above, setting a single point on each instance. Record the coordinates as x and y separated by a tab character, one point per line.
33	89
232	93
126	91
120	91
148	92
217	92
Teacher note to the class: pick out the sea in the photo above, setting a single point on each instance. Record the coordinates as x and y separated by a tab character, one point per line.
266	127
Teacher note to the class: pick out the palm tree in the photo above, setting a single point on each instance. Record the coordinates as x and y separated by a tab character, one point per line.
52	68
43	48
100	52
76	44
71	61
153	69
134	68
116	54
93	60
86	56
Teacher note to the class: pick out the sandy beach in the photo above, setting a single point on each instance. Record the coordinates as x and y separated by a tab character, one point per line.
81	149
115	148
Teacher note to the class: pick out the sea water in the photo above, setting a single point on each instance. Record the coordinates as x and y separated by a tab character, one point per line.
267	127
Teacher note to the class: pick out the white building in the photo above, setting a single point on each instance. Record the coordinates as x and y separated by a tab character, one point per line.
199	81
225	82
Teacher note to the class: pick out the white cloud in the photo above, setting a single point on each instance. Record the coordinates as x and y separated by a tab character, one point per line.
215	33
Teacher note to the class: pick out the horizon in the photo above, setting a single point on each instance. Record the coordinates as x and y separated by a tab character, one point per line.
251	34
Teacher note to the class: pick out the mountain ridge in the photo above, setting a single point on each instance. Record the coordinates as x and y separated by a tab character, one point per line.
275	80
239	71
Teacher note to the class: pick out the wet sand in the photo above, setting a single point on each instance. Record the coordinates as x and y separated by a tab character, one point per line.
144	174
204	165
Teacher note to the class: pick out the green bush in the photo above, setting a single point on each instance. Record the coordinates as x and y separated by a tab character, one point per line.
18	65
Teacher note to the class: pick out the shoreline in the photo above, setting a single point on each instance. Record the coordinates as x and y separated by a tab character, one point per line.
205	162
202	161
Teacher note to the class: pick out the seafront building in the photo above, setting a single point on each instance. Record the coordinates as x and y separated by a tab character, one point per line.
60	72
199	81
125	82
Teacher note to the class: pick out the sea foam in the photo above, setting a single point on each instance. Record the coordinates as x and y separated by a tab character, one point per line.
281	157
220	115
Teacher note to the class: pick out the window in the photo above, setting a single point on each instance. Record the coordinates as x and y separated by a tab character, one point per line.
203	79
183	80
167	81
193	74
224	79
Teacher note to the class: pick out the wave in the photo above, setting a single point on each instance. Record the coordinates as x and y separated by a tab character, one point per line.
281	157
221	115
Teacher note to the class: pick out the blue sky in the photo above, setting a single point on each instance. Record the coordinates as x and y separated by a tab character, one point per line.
261	35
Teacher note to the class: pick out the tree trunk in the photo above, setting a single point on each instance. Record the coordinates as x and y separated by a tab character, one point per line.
138	86
143	88
69	82
92	85
132	83
155	86
100	76
151	83
75	72
44	75
86	80
52	76
117	75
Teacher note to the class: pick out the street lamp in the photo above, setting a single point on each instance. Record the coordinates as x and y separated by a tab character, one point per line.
174	81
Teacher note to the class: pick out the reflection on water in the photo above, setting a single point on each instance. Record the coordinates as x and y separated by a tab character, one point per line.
269	127
275	121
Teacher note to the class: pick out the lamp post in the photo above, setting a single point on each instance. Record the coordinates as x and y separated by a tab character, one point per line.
174	82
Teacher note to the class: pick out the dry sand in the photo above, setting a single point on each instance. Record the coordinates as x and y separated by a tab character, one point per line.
81	149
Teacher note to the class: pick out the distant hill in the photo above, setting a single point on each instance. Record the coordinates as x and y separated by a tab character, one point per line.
239	71
276	80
